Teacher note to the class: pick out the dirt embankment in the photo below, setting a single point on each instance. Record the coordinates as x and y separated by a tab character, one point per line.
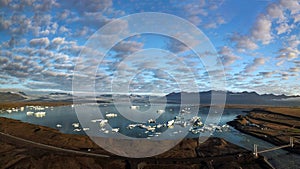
272	124
14	153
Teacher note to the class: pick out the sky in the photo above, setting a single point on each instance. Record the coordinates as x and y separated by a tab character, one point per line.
257	41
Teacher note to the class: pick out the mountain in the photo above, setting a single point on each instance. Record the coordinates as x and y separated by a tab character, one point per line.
60	94
12	96
235	98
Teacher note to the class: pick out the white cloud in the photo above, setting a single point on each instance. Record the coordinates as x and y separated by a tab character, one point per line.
261	30
64	14
244	42
58	41
176	46
280	63
63	29
297	18
292	5
294	41
288	53
275	11
294	69
254	65
284	28
196	20
128	46
227	56
266	74
39	42
45	5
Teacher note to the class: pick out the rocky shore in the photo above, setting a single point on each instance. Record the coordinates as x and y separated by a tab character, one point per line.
275	125
19	149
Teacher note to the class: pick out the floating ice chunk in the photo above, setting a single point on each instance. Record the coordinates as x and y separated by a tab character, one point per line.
115	130
134	107
103	122
29	113
96	120
111	115
131	126
159	126
151	121
170	123
75	125
40	114
196	121
160	111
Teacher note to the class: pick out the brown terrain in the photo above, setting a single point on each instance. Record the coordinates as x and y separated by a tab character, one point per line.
25	145
273	124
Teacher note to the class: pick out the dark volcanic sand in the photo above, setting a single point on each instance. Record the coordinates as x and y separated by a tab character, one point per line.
275	125
16	153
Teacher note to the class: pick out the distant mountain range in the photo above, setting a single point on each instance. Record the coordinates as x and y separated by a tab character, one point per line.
245	98
12	96
252	98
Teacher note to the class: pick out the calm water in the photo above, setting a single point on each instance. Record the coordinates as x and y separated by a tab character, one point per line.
65	120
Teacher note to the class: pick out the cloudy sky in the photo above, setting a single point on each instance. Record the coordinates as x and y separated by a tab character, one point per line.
258	42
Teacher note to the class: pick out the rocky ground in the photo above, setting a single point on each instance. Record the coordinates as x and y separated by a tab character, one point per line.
17	153
275	125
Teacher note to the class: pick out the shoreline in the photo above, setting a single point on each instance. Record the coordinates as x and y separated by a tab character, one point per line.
274	125
215	152
18	104
9	105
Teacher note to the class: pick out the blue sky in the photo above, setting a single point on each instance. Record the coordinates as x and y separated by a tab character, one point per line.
257	41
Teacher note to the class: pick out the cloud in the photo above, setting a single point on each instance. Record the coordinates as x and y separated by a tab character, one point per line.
261	30
3	60
63	29
227	56
216	23
280	63
128	47
284	28
297	18
64	14
292	5
90	5
196	20
293	41
243	42
288	53
16	69
200	10
266	74
58	41
4	24
254	65
176	46
45	5
285	75
294	69
39	42
275	11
